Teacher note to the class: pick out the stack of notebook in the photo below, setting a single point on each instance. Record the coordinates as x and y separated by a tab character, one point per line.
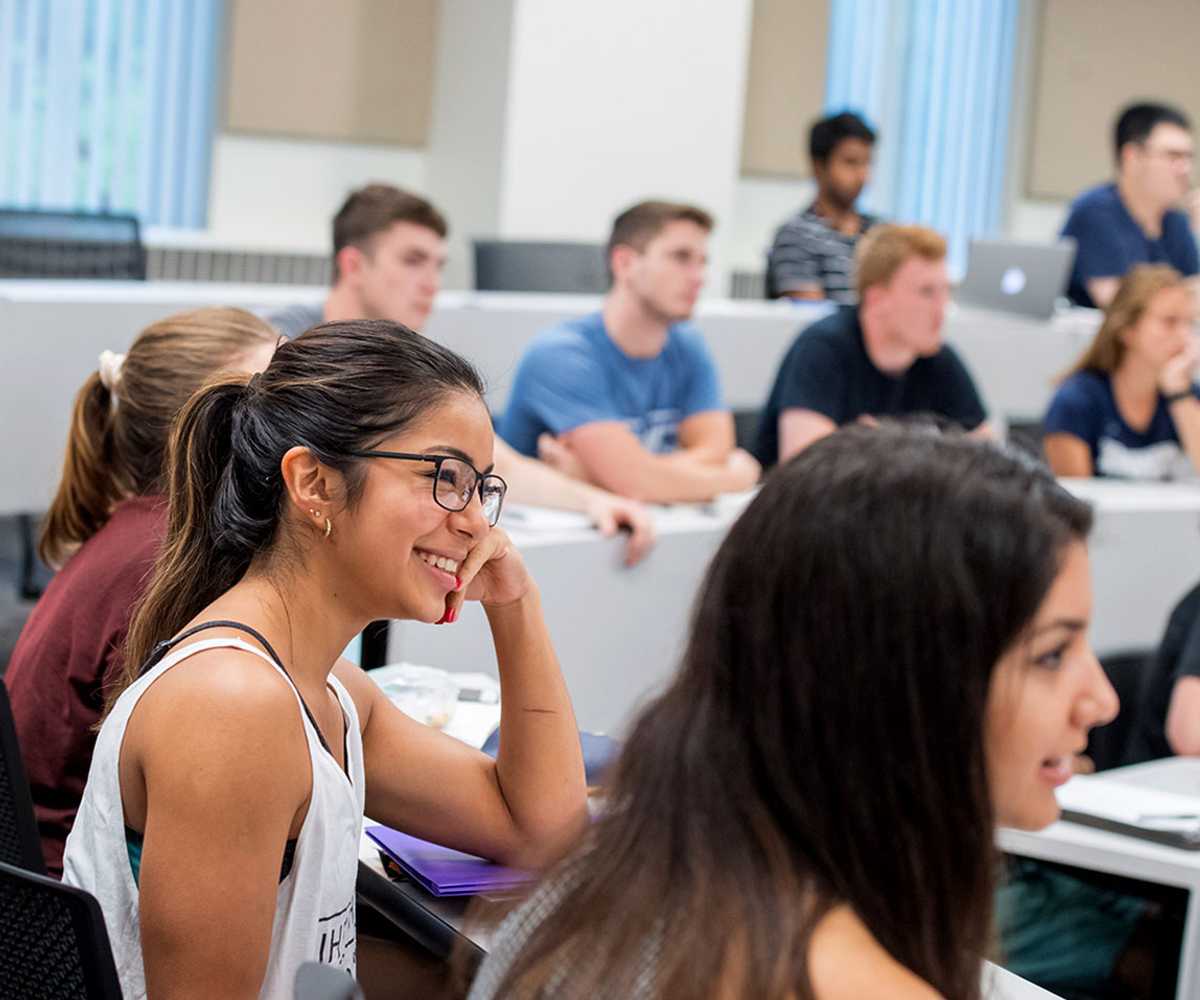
1149	813
441	871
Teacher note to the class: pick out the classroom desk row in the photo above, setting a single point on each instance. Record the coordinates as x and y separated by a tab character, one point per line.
54	331
619	633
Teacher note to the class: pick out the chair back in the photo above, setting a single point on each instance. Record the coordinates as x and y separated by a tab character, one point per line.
78	245
53	945
19	841
315	981
1109	746
519	266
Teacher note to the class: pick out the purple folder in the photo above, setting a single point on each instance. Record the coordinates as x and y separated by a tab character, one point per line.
442	871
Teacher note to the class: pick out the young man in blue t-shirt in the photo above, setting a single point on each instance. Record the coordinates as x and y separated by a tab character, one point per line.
1137	220
628	398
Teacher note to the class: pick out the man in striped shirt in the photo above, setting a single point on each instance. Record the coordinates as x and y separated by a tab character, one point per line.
813	253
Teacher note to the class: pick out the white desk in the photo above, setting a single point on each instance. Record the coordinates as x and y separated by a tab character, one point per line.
54	331
619	633
1145	554
1116	854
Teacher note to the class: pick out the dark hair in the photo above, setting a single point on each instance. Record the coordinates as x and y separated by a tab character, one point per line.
120	420
823	741
376	208
335	389
640	223
826	133
1137	121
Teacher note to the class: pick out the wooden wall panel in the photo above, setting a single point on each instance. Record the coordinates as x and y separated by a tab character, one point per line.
335	70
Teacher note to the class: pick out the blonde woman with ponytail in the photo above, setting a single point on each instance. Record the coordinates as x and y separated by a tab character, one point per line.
102	533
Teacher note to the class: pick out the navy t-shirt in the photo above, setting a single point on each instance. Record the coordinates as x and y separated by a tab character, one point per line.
827	369
1110	242
574	374
1085	407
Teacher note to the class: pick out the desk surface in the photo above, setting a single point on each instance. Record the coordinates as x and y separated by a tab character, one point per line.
1145	550
56	330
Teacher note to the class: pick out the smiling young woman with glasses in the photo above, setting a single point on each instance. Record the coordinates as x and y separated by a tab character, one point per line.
221	821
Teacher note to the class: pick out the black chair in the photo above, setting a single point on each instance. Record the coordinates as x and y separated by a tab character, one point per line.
1109	746
517	266
36	244
53	945
315	981
19	842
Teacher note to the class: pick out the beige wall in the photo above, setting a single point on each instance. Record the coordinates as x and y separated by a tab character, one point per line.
1094	57
344	70
785	85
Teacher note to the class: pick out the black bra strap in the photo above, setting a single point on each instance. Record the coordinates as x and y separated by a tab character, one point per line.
161	649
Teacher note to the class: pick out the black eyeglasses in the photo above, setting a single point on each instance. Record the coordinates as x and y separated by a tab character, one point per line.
455	481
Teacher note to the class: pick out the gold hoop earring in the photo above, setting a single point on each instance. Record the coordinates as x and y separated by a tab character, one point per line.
328	527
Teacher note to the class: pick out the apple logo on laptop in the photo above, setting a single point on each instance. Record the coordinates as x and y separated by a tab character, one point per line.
1013	281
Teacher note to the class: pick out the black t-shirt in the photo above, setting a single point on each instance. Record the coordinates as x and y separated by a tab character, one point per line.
1178	656
828	370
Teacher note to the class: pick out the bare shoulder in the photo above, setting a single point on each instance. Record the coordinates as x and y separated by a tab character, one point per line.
225	700
846	962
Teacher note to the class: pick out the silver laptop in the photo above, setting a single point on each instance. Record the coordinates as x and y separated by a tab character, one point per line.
1023	278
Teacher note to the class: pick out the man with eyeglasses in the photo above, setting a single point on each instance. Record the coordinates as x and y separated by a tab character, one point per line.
1137	219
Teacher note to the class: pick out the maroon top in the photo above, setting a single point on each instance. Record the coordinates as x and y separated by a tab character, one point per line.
70	646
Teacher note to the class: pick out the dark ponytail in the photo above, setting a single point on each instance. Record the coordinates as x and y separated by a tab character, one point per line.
337	389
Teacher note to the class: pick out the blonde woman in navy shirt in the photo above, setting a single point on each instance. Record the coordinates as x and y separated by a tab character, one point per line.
1128	409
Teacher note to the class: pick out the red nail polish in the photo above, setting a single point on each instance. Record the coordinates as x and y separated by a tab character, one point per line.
457	582
453	615
443	619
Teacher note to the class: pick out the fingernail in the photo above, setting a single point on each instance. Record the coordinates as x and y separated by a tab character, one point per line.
453	615
443	619
457	582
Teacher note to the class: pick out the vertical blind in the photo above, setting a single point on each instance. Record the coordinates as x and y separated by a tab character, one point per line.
107	106
936	77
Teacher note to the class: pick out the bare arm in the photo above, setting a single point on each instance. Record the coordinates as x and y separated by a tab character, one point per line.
1176	377
708	436
800	428
1102	290
1068	455
1183	717
529	804
614	458
220	747
533	482
1186	415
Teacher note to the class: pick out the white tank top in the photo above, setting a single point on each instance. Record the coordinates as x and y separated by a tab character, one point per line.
314	906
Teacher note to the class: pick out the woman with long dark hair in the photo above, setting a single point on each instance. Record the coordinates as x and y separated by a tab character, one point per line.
349	481
887	658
